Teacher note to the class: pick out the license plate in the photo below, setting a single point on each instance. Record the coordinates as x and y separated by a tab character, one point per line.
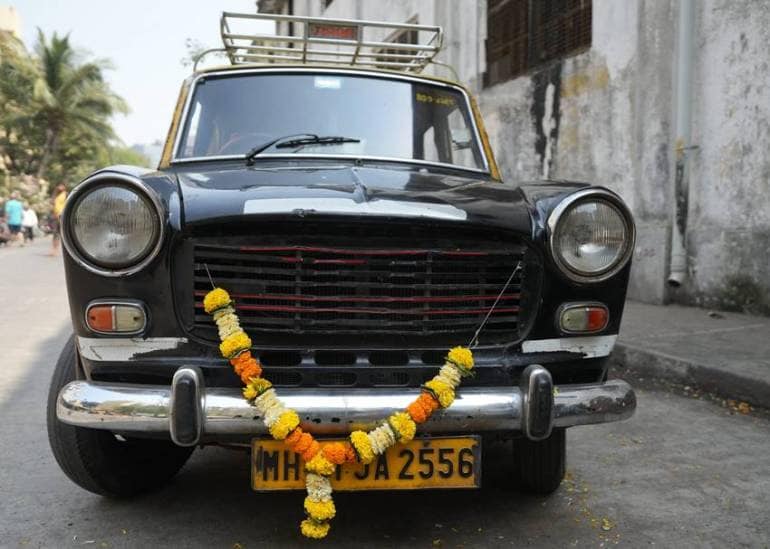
442	462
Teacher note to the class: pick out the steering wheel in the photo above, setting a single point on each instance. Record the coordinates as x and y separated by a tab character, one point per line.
235	144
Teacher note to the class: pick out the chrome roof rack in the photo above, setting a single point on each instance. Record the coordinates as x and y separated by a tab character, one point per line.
308	40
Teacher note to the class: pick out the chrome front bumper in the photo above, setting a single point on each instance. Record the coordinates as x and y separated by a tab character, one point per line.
190	413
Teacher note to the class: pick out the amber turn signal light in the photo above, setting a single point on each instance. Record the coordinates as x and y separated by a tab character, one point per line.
583	318
116	318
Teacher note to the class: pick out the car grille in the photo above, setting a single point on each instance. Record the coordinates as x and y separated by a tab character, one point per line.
351	291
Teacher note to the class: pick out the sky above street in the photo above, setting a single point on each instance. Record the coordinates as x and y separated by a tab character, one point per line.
145	41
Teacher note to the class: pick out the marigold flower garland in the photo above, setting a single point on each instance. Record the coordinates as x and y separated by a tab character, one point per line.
321	461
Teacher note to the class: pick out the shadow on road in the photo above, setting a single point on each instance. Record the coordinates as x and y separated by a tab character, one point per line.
211	502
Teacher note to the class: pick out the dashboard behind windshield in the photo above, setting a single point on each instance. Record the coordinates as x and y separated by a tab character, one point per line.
230	115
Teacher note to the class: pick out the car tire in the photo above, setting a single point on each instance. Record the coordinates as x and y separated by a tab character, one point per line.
539	465
97	460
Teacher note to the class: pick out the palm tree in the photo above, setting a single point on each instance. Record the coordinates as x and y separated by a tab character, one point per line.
18	72
70	96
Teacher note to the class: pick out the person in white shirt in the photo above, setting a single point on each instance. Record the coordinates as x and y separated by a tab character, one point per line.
28	223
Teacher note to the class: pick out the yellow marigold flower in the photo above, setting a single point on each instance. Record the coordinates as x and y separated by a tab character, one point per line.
320	510
403	425
256	387
462	356
286	423
443	392
363	446
234	344
320	465
314	529
216	299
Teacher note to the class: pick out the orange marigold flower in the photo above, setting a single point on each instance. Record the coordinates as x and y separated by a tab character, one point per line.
305	441
336	452
429	402
311	451
241	360
416	412
422	408
250	370
293	438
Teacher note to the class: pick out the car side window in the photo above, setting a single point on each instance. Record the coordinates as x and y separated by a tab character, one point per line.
188	147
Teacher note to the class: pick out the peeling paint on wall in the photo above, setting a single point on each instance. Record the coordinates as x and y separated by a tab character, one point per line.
595	79
545	113
549	125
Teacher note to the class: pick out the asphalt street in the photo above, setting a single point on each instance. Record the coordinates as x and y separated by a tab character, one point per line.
684	472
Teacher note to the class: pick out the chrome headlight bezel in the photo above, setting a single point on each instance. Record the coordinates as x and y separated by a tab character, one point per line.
565	206
111	179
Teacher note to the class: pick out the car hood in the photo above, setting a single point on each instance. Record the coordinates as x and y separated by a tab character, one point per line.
216	194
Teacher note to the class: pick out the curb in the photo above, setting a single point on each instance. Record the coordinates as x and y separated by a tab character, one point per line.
646	363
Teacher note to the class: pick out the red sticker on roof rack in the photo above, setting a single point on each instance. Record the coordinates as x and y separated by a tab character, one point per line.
326	30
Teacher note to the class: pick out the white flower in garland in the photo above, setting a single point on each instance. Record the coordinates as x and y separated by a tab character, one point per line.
319	488
382	438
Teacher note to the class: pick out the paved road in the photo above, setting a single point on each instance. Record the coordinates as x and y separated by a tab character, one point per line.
682	473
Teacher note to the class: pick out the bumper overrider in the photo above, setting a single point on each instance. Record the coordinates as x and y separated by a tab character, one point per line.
190	413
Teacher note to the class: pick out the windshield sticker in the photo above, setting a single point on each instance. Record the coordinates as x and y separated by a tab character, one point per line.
327	83
435	99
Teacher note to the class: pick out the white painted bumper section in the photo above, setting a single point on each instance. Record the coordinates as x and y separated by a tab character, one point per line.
120	348
590	346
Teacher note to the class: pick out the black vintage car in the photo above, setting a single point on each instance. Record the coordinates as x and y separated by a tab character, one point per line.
358	219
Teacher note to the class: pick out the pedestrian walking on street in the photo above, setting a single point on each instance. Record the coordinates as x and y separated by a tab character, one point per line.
14	213
60	197
29	223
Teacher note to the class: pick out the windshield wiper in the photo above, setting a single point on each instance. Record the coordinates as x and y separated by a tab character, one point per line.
316	140
297	140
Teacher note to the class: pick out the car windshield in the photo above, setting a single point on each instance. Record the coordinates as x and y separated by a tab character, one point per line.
382	117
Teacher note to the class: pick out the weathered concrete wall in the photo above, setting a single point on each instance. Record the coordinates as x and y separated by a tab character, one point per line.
729	210
605	116
614	111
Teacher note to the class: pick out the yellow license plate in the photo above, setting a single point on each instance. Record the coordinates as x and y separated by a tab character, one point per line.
443	462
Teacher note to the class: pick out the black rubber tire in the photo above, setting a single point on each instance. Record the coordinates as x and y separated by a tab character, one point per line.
539	466
98	461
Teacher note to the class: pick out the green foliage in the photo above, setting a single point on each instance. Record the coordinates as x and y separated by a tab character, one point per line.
55	112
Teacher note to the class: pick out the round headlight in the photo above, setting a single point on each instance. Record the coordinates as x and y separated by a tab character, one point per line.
591	239
114	226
